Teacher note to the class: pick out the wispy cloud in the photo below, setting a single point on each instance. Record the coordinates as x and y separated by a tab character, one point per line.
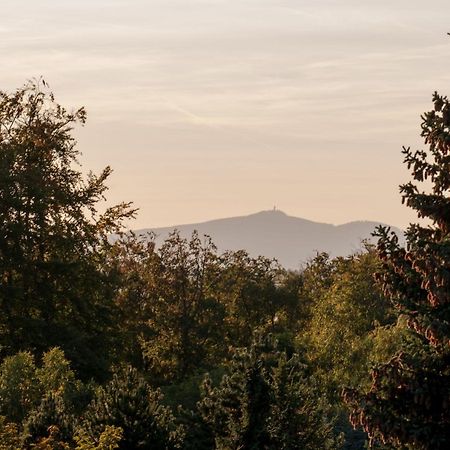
336	81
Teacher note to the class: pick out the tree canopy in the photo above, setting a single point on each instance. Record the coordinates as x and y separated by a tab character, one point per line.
54	290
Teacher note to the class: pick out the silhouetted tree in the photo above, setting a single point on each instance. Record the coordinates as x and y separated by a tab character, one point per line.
53	290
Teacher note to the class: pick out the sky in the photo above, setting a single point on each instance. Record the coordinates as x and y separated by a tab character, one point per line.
218	108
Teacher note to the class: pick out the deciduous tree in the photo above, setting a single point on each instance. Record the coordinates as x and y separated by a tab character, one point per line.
53	287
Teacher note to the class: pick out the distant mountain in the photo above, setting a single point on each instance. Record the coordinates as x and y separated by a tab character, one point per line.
291	240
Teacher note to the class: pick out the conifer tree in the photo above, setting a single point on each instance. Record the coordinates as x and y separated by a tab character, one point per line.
128	402
408	405
264	402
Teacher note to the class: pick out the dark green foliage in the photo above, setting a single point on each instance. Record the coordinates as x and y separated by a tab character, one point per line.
186	393
250	289
408	405
52	411
187	317
171	313
19	388
186	304
265	402
128	402
54	290
300	418
133	259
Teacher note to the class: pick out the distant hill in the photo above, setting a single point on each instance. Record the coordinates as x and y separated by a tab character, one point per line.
291	240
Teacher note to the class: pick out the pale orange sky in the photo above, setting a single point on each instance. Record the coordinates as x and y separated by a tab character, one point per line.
216	108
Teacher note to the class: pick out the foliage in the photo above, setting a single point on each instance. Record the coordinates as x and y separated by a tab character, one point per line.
10	437
408	404
19	390
133	259
264	402
345	316
39	397
108	439
52	441
186	304
128	402
52	240
51	412
55	375
249	289
186	317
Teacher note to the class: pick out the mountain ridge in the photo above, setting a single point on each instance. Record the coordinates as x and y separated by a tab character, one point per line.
275	234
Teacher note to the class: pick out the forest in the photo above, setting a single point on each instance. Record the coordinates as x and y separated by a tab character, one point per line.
120	344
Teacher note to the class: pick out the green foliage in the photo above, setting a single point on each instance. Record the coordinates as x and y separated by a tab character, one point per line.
19	389
39	397
264	402
55	375
187	316
347	311
169	304
300	418
186	393
52	441
249	289
52	411
133	259
54	290
108	439
186	304
129	403
349	325
408	404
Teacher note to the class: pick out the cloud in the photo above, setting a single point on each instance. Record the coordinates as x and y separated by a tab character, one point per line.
291	78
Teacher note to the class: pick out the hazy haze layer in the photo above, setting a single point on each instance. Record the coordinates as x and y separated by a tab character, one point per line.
216	108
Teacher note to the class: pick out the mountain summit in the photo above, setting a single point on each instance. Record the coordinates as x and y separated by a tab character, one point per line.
273	233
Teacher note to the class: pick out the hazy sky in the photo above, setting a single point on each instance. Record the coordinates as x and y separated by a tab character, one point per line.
215	108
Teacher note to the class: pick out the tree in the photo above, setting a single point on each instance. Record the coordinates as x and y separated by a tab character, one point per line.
134	259
250	288
344	317
19	387
264	402
128	402
408	405
51	412
351	325
53	288
186	320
